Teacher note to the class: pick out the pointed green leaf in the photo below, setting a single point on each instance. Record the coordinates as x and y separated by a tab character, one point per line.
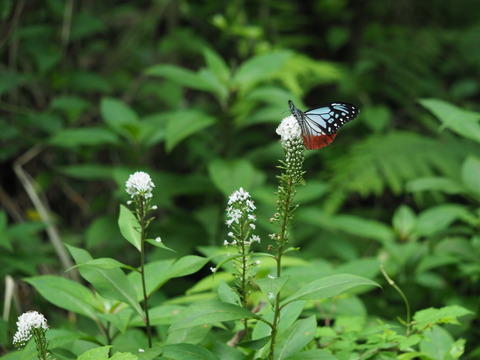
111	284
180	75
210	313
297	337
84	137
271	287
185	123
120	117
329	286
129	227
187	352
67	294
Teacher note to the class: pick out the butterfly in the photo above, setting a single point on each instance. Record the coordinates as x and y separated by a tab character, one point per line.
319	126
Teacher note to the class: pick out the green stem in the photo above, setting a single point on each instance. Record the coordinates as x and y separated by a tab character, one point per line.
405	300
287	204
142	272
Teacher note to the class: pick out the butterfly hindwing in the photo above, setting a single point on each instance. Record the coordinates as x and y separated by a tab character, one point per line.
319	126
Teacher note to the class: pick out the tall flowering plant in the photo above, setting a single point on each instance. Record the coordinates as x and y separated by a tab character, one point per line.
32	324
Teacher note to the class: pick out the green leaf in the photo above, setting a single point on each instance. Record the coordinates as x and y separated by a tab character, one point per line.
463	122
187	352
111	284
259	68
437	343
471	174
84	137
297	337
67	294
369	229
404	221
211	313
271	287
439	218
329	286
104	263
229	175
88	171
120	117
181	76
437	183
184	123
101	353
216	65
445	315
129	227
159	244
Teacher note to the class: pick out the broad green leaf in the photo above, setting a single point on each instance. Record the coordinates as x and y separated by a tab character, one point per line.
120	117
439	218
71	106
101	353
159	244
129	227
438	183
181	76
229	175
404	221
463	122
88	171
259	68
104	263
211	313
471	174
216	65
159	315
67	294
227	294
187	352
111	284
84	137
155	276
329	286
436	343
186	265
297	336
184	123
444	315
271	287
369	229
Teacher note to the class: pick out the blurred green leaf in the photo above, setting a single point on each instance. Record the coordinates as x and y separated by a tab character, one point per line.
187	352
471	175
463	122
120	117
404	221
184	123
229	175
84	137
296	337
439	218
217	65
181	76
438	183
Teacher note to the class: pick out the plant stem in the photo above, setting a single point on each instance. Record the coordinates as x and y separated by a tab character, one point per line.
282	239
405	300
142	216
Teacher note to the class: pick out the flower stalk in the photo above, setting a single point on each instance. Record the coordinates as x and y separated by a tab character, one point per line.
291	176
139	186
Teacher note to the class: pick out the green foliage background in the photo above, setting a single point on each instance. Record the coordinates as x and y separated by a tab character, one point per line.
192	91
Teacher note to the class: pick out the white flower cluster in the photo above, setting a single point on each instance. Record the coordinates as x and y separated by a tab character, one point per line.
289	129
240	213
26	323
140	184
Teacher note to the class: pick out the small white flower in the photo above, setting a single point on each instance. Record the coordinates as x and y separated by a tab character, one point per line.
254	238
225	243
253	226
141	350
158	239
213	270
271	277
271	296
154	207
26	322
139	184
230	234
289	129
257	262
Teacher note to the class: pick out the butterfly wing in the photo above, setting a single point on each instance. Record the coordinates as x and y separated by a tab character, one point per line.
319	126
